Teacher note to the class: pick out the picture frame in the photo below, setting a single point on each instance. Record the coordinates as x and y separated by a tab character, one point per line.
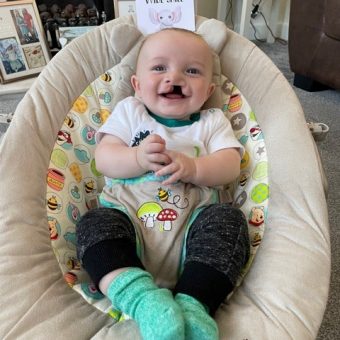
68	33
124	7
23	48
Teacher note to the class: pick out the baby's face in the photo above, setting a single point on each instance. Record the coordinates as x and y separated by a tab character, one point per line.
174	74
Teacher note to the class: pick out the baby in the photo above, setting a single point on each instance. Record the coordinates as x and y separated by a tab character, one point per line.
162	247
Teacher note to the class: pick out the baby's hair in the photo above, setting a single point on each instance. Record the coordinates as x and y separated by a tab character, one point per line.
178	29
175	29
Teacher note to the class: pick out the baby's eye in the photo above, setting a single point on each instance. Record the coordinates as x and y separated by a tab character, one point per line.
158	68
193	70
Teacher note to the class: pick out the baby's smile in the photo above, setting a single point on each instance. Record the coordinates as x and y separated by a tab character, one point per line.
174	93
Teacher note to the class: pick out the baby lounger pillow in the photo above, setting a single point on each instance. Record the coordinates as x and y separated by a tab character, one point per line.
73	182
271	303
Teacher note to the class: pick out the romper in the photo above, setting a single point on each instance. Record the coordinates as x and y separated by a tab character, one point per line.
162	214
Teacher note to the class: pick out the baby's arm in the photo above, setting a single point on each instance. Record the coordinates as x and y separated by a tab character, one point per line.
218	168
115	159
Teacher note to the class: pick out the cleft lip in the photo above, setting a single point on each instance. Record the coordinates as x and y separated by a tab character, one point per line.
174	93
177	90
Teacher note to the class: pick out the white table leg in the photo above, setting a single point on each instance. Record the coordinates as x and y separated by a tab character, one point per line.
221	10
277	7
241	11
245	18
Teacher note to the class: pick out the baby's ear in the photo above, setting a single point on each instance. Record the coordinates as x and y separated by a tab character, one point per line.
135	83
211	90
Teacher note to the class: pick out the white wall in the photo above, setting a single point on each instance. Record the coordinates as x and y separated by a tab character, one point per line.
276	13
207	8
279	9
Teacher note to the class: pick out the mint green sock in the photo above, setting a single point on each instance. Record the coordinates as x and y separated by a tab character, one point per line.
154	309
199	325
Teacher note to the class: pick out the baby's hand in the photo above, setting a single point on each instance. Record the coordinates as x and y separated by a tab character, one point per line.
151	154
181	168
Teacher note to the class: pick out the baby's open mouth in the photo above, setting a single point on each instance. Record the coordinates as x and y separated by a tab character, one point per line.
176	93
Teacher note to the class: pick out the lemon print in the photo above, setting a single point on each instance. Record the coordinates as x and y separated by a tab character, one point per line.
245	160
80	105
59	158
252	116
88	91
260	193
261	171
104	115
76	172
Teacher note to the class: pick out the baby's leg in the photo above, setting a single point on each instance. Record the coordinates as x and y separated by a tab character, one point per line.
106	247
217	248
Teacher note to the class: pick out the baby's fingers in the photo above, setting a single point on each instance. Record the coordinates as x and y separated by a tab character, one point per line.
171	170
166	170
153	138
155	167
158	158
154	148
172	179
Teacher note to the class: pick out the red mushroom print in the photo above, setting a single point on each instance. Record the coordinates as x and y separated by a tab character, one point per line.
167	216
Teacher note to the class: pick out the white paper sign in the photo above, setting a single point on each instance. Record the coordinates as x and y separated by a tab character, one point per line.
155	15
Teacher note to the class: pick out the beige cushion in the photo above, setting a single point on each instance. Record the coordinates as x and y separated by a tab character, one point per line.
281	297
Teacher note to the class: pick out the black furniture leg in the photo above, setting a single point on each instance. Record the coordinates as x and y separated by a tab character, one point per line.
308	84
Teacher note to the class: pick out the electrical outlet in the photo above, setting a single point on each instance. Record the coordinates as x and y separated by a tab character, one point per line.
255	11
6	118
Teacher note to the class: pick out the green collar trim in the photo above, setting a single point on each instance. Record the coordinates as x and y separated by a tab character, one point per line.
170	122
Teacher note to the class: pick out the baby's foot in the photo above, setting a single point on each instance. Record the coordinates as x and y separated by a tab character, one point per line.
154	309
199	325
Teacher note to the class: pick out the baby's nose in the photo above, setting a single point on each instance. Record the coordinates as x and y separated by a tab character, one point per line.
175	77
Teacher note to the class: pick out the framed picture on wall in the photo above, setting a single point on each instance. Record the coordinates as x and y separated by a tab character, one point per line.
23	49
124	7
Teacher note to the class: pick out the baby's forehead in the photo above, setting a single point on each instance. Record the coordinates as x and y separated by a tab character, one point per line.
174	34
